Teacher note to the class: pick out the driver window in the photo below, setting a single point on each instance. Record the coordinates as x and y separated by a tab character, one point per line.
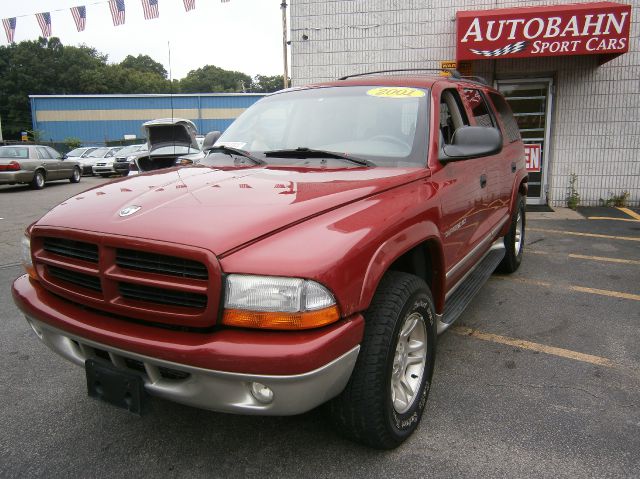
452	115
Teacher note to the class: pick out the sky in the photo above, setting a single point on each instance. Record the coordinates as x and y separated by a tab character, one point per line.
241	35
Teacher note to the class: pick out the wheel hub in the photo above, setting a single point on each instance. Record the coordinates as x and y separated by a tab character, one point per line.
409	362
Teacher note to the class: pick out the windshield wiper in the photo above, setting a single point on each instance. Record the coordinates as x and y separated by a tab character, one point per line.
236	151
304	152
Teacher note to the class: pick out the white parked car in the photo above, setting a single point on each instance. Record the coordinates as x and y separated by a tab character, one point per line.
99	159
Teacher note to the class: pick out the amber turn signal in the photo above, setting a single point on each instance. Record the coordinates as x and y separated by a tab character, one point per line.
280	320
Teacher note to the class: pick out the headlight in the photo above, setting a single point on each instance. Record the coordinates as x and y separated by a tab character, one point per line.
131	158
27	262
271	302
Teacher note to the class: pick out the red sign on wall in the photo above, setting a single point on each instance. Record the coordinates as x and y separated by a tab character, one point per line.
532	157
580	29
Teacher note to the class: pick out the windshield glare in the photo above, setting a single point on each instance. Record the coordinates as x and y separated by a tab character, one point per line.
99	153
127	150
364	122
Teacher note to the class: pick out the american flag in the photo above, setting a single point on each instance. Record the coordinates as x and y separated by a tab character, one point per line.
150	9
44	19
117	11
80	16
9	27
189	5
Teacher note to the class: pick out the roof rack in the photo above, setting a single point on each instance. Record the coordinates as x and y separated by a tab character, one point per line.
475	79
453	72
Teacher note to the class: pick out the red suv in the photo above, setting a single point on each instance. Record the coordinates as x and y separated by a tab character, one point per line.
314	255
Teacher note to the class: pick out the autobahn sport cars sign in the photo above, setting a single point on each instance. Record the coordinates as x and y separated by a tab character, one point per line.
579	29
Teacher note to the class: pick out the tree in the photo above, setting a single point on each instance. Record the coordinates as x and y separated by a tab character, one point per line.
210	78
144	64
267	84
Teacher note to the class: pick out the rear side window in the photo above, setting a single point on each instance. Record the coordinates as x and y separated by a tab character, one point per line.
479	108
512	131
43	153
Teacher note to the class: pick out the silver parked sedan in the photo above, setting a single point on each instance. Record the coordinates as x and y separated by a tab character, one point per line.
35	164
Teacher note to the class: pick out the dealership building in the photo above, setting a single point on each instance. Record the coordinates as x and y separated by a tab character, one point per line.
570	71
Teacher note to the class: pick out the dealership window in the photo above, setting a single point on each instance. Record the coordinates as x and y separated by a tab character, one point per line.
511	127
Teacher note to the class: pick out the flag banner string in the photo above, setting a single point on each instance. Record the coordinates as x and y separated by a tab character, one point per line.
79	13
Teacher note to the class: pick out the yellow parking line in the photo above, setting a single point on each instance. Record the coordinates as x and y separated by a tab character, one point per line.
605	259
587	257
631	213
542	348
612	219
581	289
590	235
604	292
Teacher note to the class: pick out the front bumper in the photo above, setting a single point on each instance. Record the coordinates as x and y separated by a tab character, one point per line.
214	369
208	389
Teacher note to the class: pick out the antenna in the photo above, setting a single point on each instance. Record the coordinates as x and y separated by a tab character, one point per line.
173	130
170	80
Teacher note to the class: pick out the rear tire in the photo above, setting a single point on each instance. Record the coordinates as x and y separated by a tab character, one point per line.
384	400
37	183
77	174
514	240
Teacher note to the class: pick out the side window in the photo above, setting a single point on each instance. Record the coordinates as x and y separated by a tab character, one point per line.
43	154
512	132
452	115
53	153
479	108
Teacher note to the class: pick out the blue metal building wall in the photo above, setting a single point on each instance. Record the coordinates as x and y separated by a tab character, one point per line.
96	119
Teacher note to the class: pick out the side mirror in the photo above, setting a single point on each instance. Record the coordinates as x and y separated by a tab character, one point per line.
210	140
64	157
472	142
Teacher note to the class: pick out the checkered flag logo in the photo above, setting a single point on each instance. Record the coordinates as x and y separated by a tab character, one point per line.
498	52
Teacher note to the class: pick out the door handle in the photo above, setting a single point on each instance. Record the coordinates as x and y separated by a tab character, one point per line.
483	181
513	167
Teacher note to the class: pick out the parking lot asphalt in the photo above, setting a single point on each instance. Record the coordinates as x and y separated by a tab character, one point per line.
540	377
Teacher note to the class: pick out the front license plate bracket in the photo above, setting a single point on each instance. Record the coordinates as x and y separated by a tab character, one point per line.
123	389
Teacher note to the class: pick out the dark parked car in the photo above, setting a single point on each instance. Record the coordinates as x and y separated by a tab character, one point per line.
35	164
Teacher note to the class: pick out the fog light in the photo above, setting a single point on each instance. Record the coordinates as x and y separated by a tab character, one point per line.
262	393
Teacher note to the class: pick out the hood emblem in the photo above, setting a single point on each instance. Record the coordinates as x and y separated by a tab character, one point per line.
129	210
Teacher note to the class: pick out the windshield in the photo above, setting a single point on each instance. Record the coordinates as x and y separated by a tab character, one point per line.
378	124
99	153
127	150
77	152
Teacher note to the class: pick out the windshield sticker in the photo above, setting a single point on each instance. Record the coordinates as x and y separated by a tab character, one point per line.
395	92
232	144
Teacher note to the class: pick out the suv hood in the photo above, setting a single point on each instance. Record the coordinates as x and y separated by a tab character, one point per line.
219	209
170	132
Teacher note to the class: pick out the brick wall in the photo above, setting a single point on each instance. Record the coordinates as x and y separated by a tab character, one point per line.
596	110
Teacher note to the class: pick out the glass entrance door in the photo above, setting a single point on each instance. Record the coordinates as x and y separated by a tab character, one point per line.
530	100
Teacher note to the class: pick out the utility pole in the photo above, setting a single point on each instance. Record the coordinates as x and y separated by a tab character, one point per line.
283	7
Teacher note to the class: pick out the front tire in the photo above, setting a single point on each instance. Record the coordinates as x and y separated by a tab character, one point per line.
37	183
384	400
514	240
77	174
